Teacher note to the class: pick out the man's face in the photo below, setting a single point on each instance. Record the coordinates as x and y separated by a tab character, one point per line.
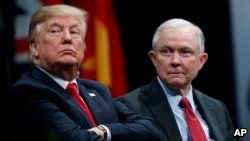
177	58
59	42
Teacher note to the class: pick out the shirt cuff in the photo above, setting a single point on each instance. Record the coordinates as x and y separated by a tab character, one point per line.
108	133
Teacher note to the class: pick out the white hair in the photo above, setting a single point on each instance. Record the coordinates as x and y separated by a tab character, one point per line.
175	23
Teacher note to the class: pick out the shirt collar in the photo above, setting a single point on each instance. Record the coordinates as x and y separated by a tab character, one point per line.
58	80
175	98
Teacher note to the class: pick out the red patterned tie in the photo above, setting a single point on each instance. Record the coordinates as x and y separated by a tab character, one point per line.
72	89
196	131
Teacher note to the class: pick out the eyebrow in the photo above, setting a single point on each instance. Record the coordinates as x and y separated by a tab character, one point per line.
55	24
59	25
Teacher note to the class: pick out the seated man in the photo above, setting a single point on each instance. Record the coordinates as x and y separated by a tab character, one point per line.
53	103
184	113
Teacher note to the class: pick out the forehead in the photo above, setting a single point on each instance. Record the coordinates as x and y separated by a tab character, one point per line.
63	20
181	36
179	33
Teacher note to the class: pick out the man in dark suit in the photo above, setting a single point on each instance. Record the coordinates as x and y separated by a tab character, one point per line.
53	104
178	55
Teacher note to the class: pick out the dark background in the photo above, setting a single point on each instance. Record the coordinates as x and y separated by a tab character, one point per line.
138	20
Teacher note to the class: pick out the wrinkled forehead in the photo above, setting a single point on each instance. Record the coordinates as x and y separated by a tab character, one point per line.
64	20
184	29
185	33
177	38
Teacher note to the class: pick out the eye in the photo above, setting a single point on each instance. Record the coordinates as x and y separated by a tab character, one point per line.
54	31
166	51
75	33
186	52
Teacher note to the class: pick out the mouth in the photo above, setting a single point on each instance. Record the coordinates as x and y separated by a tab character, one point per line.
175	73
67	51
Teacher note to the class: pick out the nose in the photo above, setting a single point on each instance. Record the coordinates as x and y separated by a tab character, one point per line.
67	36
175	60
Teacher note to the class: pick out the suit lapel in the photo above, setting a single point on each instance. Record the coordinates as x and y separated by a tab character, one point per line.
58	90
157	103
95	104
90	97
206	111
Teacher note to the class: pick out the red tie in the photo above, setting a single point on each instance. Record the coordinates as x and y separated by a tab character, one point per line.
72	89
195	128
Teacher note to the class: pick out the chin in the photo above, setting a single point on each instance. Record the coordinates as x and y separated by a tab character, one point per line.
177	83
68	60
68	63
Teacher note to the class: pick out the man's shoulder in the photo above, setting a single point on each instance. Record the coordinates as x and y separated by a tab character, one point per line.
25	81
206	98
134	93
134	98
143	93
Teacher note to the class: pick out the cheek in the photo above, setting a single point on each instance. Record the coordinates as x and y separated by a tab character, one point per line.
80	51
48	53
193	68
162	63
48	48
196	64
48	43
162	66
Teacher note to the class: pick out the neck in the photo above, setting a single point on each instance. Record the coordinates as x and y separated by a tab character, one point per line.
67	73
183	91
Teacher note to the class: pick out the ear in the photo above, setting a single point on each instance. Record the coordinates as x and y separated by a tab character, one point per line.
34	49
152	56
203	59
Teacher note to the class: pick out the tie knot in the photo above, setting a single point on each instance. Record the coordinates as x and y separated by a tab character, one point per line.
184	103
72	88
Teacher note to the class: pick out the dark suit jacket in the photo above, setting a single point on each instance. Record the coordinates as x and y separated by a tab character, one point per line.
151	101
44	111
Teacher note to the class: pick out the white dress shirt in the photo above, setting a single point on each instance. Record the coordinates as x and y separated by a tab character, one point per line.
179	115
